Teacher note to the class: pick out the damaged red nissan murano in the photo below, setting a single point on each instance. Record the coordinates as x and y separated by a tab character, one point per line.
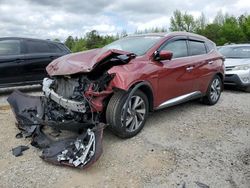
117	85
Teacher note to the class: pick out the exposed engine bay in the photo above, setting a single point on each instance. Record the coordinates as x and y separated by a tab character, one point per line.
75	99
73	103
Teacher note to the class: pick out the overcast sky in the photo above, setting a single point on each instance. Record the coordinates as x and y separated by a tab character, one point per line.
49	19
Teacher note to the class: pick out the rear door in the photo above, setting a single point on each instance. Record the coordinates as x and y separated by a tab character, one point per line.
11	57
38	54
176	76
198	51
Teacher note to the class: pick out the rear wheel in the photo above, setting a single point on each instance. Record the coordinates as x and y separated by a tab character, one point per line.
125	117
213	91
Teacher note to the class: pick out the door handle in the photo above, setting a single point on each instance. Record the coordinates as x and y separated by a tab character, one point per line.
190	68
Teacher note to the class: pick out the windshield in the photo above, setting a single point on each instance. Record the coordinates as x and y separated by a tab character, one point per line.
235	51
138	45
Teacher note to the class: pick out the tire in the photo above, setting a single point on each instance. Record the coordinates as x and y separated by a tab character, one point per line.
213	92
116	109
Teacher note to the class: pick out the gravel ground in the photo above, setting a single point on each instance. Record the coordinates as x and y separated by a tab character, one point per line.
190	145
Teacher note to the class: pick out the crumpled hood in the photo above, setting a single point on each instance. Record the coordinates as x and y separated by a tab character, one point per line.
81	61
229	62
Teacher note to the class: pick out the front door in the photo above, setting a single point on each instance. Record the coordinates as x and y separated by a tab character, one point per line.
176	77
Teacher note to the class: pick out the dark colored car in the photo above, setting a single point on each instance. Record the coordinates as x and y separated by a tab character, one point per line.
23	60
121	83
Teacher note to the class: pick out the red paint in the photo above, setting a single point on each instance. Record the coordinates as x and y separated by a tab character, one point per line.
96	98
79	62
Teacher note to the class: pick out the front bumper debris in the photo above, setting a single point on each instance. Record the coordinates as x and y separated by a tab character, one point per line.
65	103
79	151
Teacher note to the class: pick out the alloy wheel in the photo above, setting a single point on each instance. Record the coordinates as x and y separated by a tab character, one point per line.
135	113
215	90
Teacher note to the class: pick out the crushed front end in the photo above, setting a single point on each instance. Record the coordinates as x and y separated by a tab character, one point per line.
72	103
75	102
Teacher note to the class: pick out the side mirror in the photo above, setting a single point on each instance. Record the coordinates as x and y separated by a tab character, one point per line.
163	55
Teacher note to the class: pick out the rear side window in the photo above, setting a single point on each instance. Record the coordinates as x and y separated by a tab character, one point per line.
178	47
37	47
64	48
53	48
10	47
197	47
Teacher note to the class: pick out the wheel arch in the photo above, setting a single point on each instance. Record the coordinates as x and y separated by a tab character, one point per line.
146	88
221	77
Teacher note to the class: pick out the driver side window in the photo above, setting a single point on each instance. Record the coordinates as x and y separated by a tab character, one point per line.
178	47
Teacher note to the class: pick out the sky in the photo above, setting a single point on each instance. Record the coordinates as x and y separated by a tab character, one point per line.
50	19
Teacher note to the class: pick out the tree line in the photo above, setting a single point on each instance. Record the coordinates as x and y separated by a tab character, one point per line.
223	29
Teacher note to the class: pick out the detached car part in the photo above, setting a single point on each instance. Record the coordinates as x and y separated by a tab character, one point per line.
80	151
18	151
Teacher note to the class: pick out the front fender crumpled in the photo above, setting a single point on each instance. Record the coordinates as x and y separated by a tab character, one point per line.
80	150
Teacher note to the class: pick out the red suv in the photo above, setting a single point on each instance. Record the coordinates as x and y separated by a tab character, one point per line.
122	82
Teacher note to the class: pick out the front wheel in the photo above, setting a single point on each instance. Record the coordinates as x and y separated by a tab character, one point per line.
213	91
135	113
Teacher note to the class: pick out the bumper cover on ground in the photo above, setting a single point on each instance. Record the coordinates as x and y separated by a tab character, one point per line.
79	151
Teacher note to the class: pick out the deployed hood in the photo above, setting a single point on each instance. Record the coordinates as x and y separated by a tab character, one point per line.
234	62
81	62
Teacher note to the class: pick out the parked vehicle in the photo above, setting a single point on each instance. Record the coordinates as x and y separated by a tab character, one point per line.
121	83
237	65
23	60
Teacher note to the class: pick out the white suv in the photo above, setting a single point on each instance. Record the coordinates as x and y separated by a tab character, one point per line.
237	65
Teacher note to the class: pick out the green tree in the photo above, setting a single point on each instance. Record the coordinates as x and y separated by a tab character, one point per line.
70	42
201	23
93	40
152	30
176	21
219	18
214	32
232	31
80	45
182	22
244	23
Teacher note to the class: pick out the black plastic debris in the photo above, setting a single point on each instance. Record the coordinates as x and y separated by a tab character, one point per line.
29	131
55	133
19	135
40	139
18	151
79	151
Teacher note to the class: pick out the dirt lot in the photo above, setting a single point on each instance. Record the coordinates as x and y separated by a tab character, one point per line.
180	146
